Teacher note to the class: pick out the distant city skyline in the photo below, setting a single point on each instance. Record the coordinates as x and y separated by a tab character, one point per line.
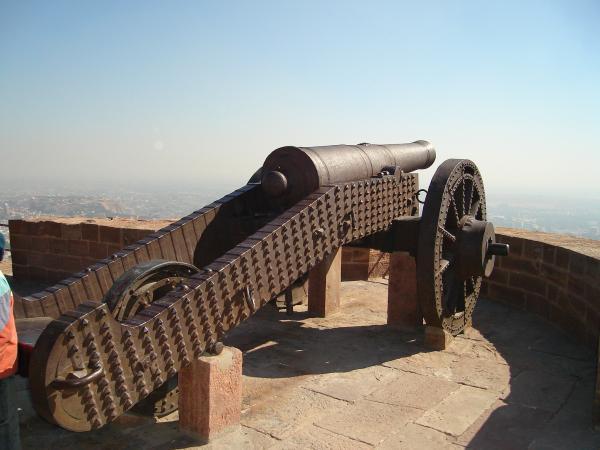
194	93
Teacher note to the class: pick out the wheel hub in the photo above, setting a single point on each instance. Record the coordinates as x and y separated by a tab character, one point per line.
477	248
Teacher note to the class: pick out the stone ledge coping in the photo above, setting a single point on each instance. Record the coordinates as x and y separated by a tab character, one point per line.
117	222
588	247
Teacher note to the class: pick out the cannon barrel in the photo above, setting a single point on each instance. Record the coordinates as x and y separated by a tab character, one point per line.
290	173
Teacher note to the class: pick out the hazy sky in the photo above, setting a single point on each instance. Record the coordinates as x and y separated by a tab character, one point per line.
198	92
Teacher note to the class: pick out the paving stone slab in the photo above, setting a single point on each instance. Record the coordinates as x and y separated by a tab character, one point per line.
576	413
521	359
476	349
505	426
426	363
354	355
541	390
284	414
417	437
567	440
352	386
481	372
458	411
368	422
487	373
558	343
242	437
414	390
313	437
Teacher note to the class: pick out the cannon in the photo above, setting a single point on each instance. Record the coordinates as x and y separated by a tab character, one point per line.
113	336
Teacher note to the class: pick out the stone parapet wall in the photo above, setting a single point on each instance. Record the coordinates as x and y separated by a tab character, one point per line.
554	276
51	249
362	264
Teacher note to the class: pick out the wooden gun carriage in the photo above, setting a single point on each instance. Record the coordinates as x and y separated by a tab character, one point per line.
116	334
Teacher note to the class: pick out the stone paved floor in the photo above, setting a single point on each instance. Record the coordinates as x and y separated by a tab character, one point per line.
350	382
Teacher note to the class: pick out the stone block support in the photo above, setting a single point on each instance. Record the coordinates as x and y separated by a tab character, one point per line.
210	395
324	283
437	338
403	305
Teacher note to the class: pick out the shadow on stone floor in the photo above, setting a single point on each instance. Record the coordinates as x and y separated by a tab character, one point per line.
548	402
309	351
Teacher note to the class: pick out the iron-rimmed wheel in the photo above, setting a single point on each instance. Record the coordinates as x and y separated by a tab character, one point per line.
137	289
456	246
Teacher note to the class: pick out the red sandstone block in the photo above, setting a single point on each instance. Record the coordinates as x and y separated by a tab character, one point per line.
71	231
210	394
379	259
500	276
20	242
347	254
70	263
50	261
40	244
130	236
361	255
510	295
576	285
89	232
516	244
87	261
110	235
98	250
20	272
78	248
553	273
577	306
592	295
38	273
19	257
379	264
529	283
513	263
54	276
562	257
577	263
355	271
324	285
143	233
403	305
437	338
533	250
36	259
17	226
112	249
379	270
46	228
592	269
549	254
552	291
58	246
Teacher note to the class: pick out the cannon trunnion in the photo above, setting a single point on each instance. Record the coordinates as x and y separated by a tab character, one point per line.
118	332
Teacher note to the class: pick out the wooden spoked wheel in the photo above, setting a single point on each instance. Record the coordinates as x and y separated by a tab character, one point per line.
137	289
456	246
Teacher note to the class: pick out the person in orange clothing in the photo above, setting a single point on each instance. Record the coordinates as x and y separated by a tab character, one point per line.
9	421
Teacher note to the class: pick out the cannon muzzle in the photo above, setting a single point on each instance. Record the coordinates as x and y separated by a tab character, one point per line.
290	173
